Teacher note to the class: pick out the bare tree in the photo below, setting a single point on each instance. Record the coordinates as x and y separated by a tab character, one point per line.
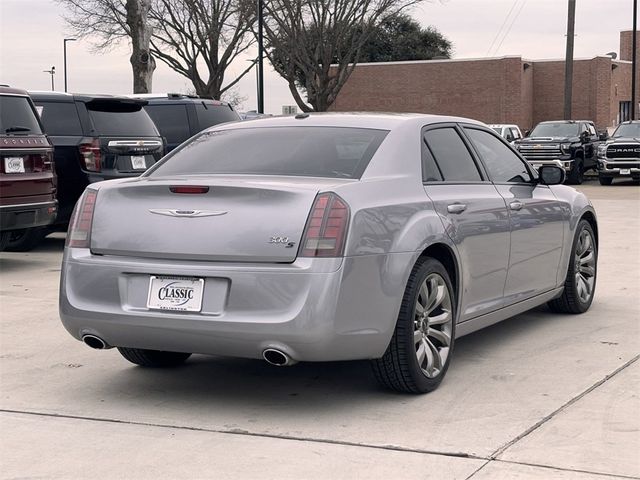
320	41
186	35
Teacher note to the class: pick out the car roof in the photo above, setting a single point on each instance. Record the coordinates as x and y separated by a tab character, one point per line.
81	97
496	125
177	98
374	120
629	122
12	91
566	121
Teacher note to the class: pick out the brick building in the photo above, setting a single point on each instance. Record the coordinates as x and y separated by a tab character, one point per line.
496	90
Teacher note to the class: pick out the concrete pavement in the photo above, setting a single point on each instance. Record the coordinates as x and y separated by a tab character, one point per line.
537	396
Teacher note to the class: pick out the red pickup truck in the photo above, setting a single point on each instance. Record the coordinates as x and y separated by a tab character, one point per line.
27	174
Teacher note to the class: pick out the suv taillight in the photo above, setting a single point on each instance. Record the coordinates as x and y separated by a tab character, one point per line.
326	229
79	234
90	153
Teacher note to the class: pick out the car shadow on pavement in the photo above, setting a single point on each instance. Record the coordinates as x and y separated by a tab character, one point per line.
208	382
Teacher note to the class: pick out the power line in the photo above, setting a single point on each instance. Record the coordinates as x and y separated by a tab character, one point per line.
513	21
501	27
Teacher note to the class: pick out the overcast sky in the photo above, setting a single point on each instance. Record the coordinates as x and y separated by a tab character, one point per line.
31	34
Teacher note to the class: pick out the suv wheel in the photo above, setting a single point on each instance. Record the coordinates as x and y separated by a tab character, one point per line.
26	239
419	353
605	180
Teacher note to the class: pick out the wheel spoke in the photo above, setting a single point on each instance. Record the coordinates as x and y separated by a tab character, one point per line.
444	317
417	336
587	259
588	270
442	337
435	355
587	242
421	354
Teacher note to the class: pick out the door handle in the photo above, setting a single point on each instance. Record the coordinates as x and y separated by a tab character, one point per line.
456	208
516	205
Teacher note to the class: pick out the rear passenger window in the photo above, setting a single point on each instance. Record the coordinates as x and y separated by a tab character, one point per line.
451	156
60	118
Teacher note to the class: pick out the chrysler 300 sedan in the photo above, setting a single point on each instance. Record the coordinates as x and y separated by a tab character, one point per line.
326	237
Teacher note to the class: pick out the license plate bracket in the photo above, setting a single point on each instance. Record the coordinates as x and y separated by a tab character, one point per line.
14	165
625	171
182	294
138	162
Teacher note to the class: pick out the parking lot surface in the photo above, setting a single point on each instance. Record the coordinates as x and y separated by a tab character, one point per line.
537	396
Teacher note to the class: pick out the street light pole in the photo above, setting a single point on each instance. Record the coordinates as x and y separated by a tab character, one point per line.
64	47
260	55
568	61
51	72
634	59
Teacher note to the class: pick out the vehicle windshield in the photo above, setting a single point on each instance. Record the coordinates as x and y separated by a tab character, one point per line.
331	152
121	119
17	117
555	130
627	130
498	130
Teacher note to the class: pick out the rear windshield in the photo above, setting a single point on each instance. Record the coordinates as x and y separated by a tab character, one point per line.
120	119
555	130
331	152
17	117
210	114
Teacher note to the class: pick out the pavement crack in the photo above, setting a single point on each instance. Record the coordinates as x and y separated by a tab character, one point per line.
506	446
246	433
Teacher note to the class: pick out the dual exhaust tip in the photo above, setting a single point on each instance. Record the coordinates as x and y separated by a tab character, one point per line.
272	356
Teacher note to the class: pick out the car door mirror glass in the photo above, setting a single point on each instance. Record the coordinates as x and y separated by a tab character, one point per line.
551	175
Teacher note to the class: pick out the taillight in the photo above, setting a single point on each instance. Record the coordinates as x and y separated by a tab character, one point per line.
41	162
79	234
326	230
91	156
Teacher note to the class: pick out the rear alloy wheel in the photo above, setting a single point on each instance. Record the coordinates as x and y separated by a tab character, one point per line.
580	284
153	358
605	180
419	353
26	239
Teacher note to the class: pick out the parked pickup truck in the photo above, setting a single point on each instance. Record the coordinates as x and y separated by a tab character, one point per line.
620	155
569	144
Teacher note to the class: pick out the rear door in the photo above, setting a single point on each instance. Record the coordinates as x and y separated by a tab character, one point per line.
536	218
172	121
128	140
473	213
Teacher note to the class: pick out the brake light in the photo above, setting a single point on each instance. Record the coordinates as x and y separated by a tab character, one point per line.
326	230
194	189
91	155
41	162
79	234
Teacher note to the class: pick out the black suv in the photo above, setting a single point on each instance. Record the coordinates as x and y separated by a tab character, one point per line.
95	137
179	117
569	144
620	155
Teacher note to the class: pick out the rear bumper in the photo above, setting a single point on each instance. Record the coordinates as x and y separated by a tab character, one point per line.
312	309
27	215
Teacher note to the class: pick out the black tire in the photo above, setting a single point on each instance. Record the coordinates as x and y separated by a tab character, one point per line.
153	358
25	240
398	369
605	180
576	175
570	301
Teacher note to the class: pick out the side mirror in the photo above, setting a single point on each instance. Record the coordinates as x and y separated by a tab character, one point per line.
584	136
527	132
603	136
551	175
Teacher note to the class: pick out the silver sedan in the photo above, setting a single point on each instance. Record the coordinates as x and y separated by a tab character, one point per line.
326	237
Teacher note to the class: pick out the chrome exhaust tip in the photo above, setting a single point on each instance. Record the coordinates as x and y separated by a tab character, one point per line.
95	342
277	357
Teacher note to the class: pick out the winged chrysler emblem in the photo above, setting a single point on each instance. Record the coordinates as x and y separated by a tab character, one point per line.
186	213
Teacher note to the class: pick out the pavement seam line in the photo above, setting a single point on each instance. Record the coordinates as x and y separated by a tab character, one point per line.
246	433
565	469
561	408
481	467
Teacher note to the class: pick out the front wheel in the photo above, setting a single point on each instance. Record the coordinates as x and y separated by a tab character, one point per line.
580	284
153	358
605	180
576	175
420	350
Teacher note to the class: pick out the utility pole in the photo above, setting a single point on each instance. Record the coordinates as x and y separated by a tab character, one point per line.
51	72
260	55
634	59
568	61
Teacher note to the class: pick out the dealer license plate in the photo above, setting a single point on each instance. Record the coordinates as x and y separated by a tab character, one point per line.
175	293
13	165
138	162
625	171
